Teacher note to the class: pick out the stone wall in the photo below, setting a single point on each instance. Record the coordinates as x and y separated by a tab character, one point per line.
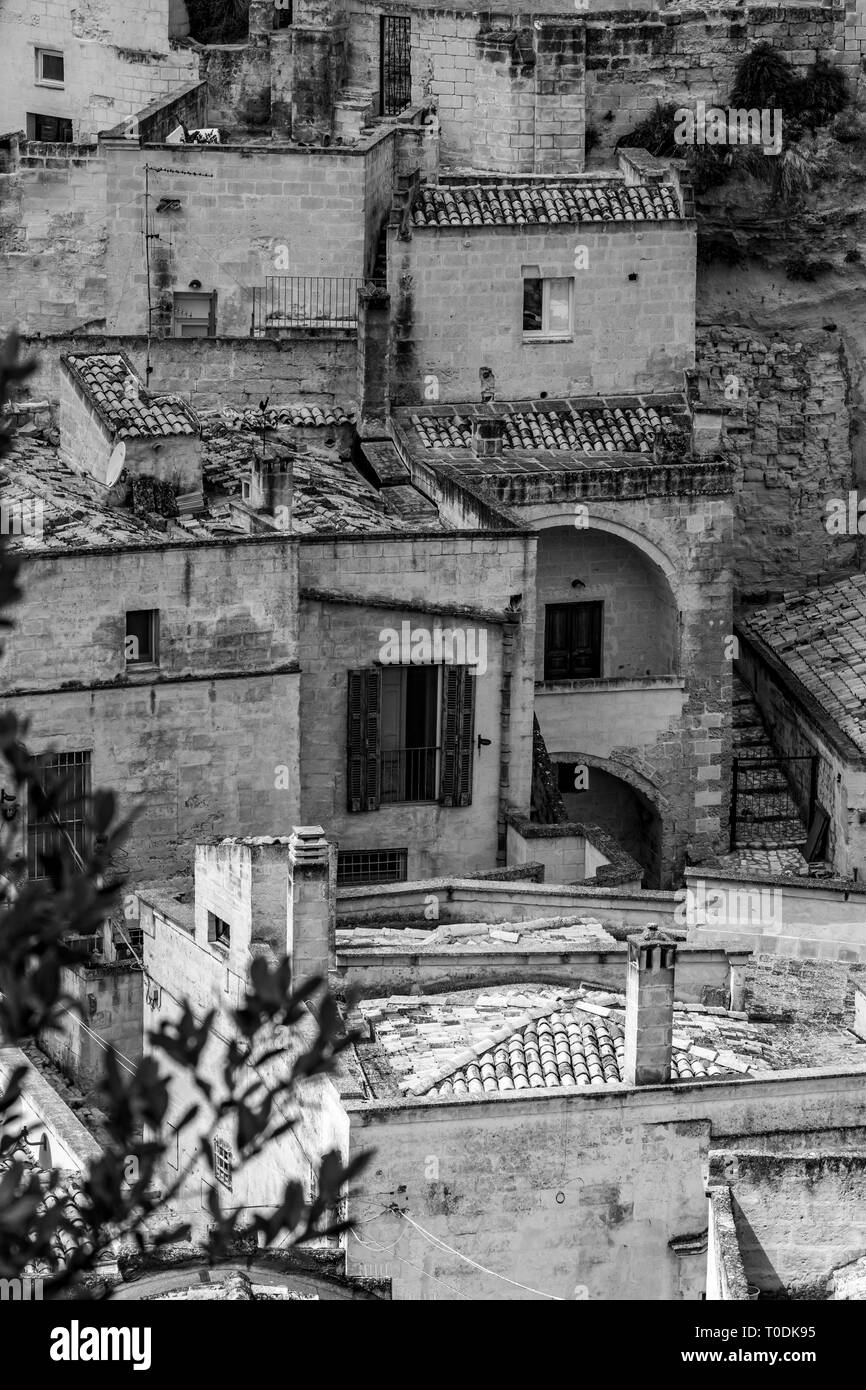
245	204
318	367
788	395
448	570
577	1196
111	998
457	297
117	59
668	737
196	743
52	238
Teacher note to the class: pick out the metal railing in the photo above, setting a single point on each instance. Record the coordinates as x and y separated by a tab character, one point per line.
305	301
773	790
409	774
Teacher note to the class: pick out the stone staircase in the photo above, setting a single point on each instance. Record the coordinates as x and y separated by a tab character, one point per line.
767	816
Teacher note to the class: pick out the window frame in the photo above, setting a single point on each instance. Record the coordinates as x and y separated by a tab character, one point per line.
222	1161
54	765
193	320
41	80
545	333
32	117
219	931
598	606
153	624
431	779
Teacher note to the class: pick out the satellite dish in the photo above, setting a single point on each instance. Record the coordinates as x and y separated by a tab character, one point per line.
115	464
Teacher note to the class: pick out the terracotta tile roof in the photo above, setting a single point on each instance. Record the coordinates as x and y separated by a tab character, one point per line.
113	387
329	493
820	635
524	1037
520	204
572	428
310	416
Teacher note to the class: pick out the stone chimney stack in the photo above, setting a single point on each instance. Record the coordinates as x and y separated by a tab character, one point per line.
312	901
649	1008
487	436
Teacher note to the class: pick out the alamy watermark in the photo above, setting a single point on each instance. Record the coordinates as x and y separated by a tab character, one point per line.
422	646
715	125
22	518
736	908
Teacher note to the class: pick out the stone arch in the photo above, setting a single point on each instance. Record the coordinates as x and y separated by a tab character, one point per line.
626	804
558	515
608	602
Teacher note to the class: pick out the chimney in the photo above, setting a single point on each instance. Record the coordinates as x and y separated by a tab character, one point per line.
649	1008
487	434
312	901
269	922
271	488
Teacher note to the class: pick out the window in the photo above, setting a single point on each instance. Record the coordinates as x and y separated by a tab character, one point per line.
547	307
218	931
142	637
395	71
55	129
410	695
371	866
282	14
67	821
572	641
49	67
410	735
194	315
222	1162
128	942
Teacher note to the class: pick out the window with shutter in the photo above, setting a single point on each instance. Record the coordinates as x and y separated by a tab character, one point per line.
363	739
458	727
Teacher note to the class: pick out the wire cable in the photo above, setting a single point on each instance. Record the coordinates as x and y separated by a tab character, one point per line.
440	1245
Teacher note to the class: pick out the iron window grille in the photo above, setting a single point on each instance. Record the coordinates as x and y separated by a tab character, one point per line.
395	64
222	1162
68	822
357	866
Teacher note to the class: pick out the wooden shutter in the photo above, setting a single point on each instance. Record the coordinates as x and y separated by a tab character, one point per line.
458	728
363	739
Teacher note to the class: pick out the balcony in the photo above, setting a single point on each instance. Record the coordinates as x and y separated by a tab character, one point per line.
409	774
305	301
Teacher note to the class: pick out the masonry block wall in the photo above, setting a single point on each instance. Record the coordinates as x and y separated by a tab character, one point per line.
111	999
117	58
205	743
789	433
799	1218
457	297
231	222
52	238
317	367
448	570
668	737
577	1196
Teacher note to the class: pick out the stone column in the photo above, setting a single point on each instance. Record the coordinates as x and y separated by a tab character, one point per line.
649	1008
312	901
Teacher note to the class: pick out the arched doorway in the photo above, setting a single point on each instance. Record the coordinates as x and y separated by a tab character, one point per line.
605	608
620	808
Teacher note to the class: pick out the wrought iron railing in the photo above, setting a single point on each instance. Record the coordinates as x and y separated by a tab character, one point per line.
305	301
409	774
773	797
